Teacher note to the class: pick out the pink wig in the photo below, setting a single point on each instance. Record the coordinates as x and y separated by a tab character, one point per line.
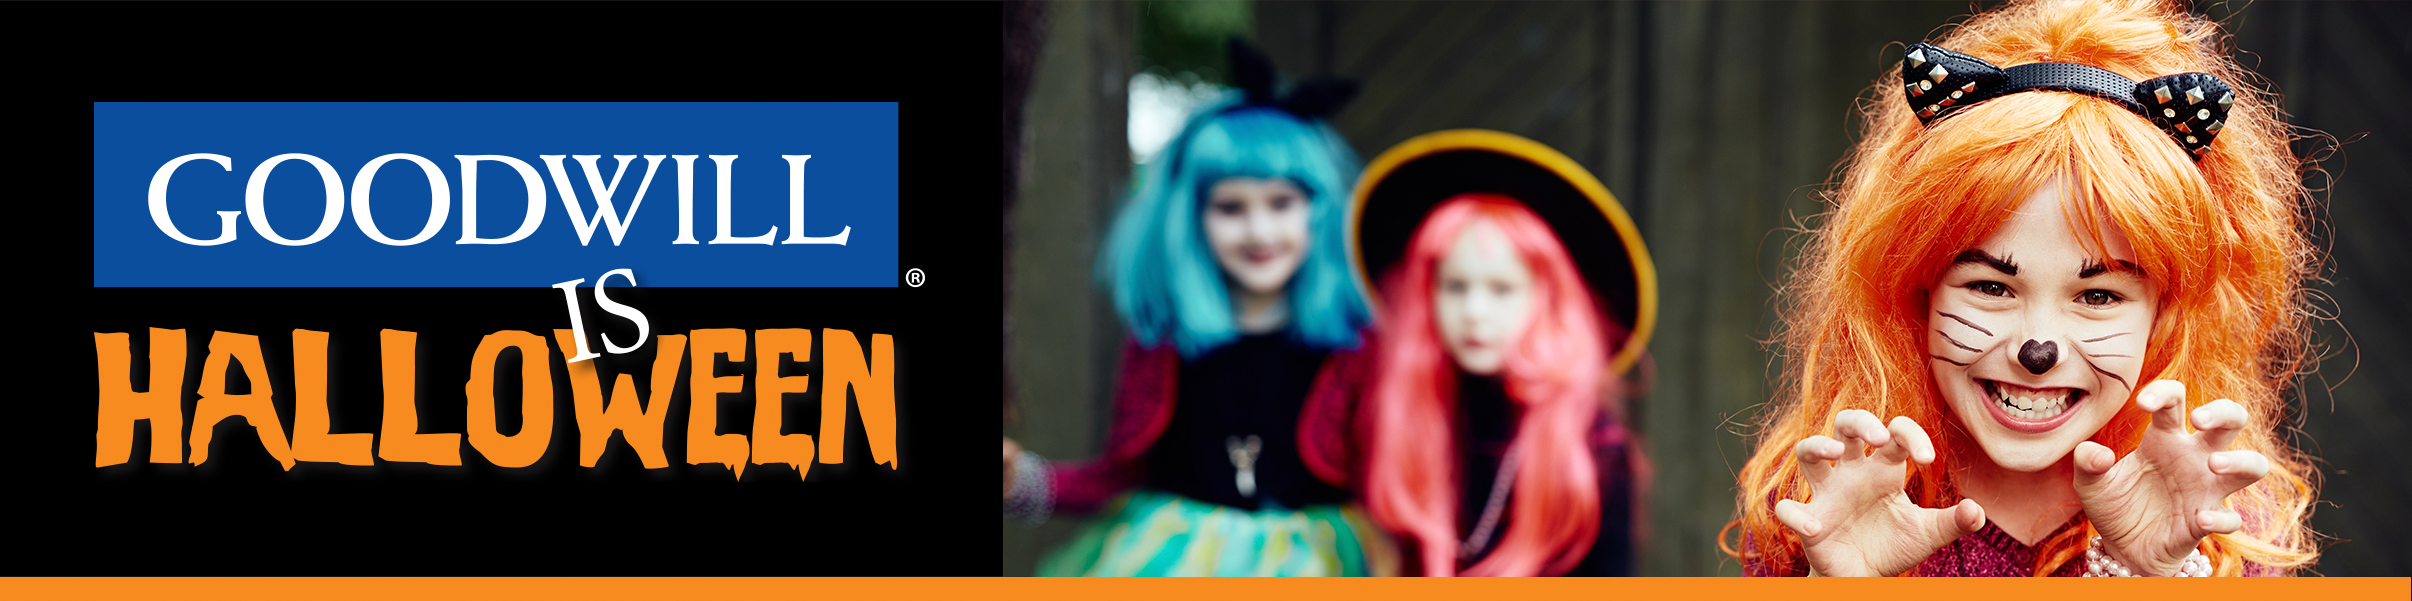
1555	374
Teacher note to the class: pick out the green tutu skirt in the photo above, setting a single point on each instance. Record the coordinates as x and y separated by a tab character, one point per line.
1156	533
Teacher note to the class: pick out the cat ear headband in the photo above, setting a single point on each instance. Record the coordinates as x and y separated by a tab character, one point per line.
2191	107
1310	99
1252	71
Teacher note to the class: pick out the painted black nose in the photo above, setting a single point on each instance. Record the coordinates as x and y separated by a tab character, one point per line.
2039	356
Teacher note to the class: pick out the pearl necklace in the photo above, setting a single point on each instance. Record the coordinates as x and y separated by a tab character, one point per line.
2098	563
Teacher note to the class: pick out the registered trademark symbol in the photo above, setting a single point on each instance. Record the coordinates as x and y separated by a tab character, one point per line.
913	277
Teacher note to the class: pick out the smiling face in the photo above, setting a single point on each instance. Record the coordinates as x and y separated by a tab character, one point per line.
1257	229
2035	340
1482	298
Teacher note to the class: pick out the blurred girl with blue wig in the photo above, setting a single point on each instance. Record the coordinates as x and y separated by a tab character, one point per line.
1230	448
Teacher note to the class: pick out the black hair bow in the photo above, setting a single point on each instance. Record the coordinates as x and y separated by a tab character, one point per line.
2192	107
1310	99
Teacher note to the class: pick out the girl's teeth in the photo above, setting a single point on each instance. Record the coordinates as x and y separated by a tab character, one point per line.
2032	408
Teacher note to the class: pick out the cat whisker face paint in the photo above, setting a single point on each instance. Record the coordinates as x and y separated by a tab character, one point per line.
2037	339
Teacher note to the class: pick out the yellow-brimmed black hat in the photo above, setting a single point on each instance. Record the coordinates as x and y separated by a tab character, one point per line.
1406	182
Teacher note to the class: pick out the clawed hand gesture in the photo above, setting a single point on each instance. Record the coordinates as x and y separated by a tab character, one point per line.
1858	522
2154	505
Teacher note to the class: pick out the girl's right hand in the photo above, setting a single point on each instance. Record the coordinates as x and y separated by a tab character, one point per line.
1012	451
1858	522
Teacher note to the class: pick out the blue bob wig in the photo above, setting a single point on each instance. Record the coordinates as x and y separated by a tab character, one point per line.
1156	263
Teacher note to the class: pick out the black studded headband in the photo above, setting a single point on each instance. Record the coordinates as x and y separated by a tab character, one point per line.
2192	107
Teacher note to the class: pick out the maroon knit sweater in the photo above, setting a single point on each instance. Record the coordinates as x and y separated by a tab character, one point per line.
1987	552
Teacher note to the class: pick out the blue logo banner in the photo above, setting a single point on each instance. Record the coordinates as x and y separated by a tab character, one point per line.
418	195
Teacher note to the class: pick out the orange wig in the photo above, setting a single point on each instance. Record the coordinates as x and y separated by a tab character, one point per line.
2223	237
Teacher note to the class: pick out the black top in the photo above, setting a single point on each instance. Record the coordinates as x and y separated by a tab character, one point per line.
1256	386
1487	422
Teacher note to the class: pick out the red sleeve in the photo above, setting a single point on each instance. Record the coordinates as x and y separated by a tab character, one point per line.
1326	429
1085	486
1143	402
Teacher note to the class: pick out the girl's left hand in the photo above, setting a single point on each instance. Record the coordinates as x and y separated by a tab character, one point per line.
1012	452
2153	506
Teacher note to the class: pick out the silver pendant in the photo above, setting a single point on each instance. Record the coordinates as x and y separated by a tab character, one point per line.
1243	458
